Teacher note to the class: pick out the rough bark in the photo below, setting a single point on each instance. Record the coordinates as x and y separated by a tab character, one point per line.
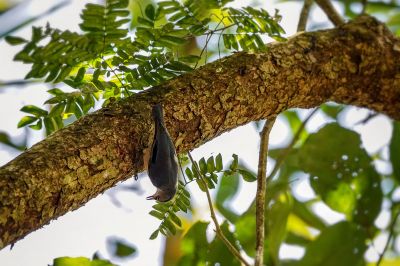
356	63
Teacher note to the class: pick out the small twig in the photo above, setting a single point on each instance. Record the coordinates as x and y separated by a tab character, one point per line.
208	38
219	232
183	174
18	82
305	11
286	151
116	75
367	119
261	191
330	11
364	6
391	232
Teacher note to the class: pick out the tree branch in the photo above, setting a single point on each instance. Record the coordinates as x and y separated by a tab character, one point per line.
261	191
330	11
218	230
356	63
305	11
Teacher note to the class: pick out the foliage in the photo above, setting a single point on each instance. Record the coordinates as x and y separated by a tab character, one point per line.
104	62
209	171
80	261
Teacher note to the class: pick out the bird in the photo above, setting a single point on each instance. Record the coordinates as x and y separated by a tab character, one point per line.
163	162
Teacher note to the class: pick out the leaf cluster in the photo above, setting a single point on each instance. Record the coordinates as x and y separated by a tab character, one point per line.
108	61
205	172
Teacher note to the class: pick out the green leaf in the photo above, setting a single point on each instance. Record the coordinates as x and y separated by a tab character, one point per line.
34	110
301	210
295	123
228	188
220	253
218	163
175	218
203	166
80	261
81	73
332	110
57	110
56	92
190	59
245	233
340	244
63	73
150	11
145	22
5	139
342	173
247	175
189	173
194	245
26	120
210	164
235	162
37	126
277	218
154	234
15	40
170	226
120	248
394	150
157	214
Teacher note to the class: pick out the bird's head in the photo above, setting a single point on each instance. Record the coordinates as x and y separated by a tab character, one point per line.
163	195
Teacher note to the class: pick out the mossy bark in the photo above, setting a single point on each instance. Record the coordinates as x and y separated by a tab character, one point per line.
357	63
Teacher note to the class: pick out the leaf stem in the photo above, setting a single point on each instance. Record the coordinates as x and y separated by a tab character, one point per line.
219	232
261	191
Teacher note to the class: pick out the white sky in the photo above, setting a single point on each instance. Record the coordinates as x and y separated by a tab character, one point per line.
83	232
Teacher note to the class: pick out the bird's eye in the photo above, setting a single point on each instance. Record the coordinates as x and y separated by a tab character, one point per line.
157	197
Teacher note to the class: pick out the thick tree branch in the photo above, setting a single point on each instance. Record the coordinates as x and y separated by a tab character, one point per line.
357	63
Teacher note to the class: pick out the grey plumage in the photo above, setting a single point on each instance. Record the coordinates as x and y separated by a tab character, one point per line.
163	163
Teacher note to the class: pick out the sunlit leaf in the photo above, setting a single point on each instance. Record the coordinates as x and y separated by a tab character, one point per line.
340	244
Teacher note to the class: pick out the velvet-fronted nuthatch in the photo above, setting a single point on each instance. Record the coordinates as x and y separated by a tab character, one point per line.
163	164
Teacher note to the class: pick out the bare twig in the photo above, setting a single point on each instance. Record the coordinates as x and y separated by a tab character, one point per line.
261	191
305	11
391	232
364	6
286	151
219	232
330	11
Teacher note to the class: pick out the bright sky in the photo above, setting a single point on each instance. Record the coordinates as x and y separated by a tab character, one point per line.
83	232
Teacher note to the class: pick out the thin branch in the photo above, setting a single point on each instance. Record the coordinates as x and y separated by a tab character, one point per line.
330	11
286	151
305	11
261	191
219	232
391	232
116	75
18	82
364	6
